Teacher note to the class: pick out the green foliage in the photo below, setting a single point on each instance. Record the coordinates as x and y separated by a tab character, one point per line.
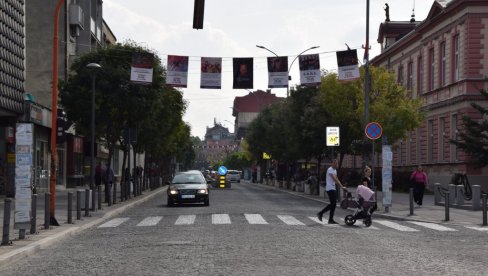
474	139
237	161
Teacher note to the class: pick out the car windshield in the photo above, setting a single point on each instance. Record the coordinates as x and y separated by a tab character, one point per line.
188	179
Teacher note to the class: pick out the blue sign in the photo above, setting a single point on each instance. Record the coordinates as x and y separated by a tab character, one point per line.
222	170
373	130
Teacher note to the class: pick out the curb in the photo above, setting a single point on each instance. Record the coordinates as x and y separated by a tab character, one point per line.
71	231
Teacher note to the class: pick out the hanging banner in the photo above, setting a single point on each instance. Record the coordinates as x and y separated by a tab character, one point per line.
141	70
177	71
277	72
243	73
211	73
347	61
309	69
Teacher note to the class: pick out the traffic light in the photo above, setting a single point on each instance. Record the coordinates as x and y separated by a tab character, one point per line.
198	14
61	125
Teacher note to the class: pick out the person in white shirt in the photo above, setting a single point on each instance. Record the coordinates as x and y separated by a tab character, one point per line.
331	181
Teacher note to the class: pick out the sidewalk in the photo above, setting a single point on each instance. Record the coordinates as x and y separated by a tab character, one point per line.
400	209
43	238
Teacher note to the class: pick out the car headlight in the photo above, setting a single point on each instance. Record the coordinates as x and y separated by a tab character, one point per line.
203	191
173	192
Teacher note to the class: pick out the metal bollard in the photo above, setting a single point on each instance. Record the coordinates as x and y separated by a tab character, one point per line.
6	222
21	234
411	201
447	206
47	214
87	202
484	210
34	214
114	197
70	207
109	194
78	205
94	200
100	197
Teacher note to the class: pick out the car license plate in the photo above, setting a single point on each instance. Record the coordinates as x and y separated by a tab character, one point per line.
187	196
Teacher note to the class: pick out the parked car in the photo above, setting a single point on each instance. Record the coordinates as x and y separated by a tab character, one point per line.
233	176
188	187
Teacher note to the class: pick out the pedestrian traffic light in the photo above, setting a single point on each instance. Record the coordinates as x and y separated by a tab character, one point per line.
61	124
198	14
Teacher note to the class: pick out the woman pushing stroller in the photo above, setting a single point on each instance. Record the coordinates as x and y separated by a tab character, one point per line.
366	203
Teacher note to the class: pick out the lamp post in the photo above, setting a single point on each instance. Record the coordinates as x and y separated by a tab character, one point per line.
289	68
93	67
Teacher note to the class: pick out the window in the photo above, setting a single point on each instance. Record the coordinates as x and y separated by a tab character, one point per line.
442	69
455	62
454	136
441	139
420	75
409	76
400	75
430	141
431	69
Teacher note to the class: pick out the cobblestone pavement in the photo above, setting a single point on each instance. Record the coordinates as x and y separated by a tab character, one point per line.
253	230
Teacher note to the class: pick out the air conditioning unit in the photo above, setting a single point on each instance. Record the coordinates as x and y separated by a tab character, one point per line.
76	16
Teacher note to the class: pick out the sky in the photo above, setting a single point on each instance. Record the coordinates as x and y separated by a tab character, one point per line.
234	28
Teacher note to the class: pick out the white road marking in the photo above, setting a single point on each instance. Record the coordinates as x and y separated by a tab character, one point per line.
255	219
113	223
220	219
433	226
185	220
150	221
323	222
396	226
478	228
290	220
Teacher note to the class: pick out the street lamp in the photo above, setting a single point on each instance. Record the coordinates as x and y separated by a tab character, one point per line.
289	68
93	67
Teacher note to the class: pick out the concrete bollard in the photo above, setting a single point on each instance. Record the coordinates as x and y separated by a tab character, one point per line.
484	211
452	192
70	207
47	214
34	214
459	195
475	201
94	199
99	192
411	200
6	222
78	205
446	205
437	193
87	202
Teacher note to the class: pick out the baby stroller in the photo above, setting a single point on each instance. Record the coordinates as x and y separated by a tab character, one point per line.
363	210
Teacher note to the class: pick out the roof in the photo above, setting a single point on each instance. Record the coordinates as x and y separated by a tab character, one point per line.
254	102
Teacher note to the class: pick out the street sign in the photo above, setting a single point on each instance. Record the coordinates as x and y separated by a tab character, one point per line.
332	136
266	156
222	170
373	130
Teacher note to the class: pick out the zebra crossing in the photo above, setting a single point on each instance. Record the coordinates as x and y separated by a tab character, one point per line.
287	220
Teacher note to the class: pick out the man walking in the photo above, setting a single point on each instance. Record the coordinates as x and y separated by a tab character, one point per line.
331	181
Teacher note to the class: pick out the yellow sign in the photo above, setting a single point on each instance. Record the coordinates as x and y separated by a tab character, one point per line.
333	136
11	158
266	156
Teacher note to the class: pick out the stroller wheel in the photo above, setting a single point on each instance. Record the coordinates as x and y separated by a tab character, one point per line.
349	220
367	222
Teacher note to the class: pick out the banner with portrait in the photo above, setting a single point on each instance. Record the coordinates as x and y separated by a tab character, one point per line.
141	70
277	72
347	61
211	73
309	69
177	71
243	73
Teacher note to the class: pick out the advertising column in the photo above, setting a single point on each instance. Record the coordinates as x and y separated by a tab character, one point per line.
23	175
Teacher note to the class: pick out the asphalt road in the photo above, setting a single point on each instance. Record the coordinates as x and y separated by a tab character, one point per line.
253	230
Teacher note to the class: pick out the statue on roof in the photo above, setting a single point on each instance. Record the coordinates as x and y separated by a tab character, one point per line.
387	13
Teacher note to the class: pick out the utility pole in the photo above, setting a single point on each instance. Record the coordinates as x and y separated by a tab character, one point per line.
366	83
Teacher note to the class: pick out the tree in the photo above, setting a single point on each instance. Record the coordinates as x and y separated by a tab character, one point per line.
474	138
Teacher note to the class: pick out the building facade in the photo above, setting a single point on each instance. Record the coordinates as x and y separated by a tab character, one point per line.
12	82
443	60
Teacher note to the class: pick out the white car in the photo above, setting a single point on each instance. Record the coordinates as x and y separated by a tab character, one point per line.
233	176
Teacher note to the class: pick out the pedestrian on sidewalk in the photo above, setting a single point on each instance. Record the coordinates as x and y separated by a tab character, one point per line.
366	181
109	178
331	181
419	180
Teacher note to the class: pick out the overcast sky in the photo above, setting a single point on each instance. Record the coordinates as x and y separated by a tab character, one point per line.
234	28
